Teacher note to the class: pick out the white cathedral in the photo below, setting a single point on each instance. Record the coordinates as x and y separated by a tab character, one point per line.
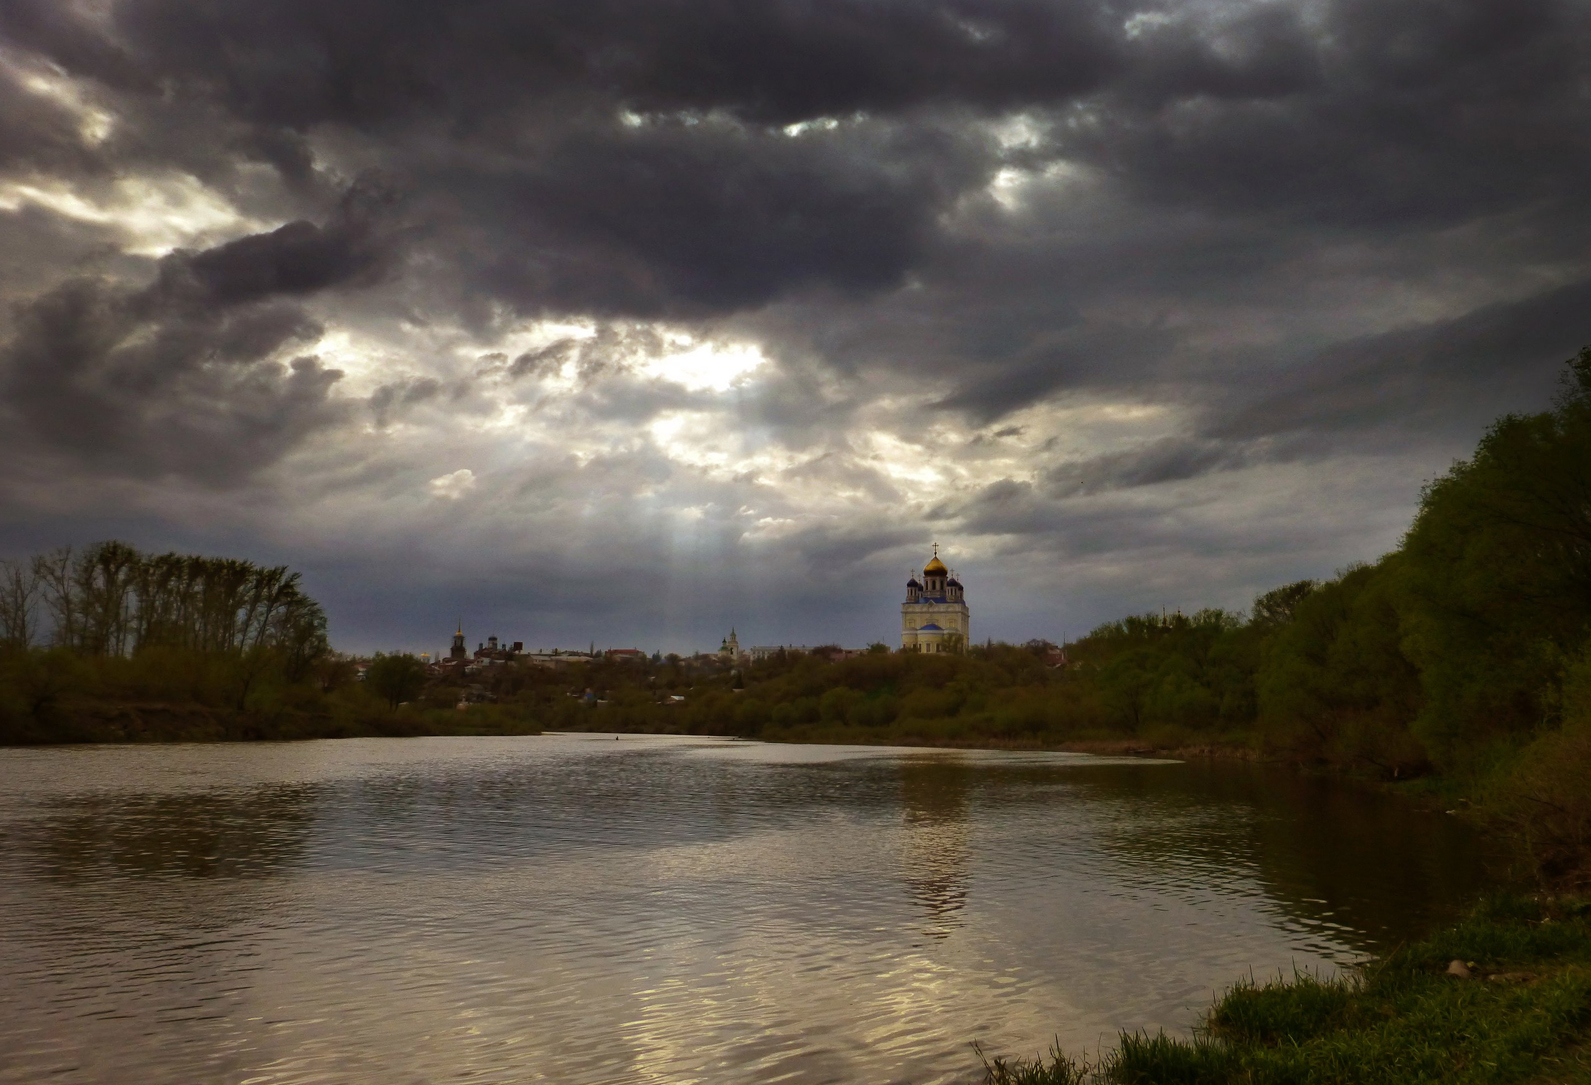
934	617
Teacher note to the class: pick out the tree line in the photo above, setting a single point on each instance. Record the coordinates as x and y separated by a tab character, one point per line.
109	599
110	644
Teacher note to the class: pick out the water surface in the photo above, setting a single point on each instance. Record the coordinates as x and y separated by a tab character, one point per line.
579	909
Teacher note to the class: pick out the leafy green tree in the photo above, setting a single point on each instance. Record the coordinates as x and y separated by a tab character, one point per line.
835	706
1276	607
395	678
1335	683
1126	680
1499	575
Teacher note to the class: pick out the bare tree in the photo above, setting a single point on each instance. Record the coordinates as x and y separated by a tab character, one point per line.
19	595
109	599
104	578
52	572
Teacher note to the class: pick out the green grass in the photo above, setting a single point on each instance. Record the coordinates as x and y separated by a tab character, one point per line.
1400	1021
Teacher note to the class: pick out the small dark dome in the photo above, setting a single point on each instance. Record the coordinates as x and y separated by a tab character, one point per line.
912	583
952	583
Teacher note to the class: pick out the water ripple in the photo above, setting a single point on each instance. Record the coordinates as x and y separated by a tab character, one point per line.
573	909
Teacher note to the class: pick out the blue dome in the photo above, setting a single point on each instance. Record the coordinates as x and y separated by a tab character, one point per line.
952	583
912	583
929	628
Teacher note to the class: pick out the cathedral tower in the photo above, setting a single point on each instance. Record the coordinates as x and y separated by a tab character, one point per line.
935	617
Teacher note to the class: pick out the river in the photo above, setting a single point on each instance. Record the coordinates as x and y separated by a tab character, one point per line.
580	909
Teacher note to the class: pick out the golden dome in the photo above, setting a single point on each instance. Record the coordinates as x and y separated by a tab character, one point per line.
935	567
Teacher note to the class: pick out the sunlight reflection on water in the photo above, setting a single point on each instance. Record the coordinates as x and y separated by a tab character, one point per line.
576	909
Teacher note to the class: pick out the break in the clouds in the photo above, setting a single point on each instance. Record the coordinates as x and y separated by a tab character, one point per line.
591	320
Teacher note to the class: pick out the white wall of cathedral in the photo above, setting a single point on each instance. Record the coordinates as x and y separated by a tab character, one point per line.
952	619
945	615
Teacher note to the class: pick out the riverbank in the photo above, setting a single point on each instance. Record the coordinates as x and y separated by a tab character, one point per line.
1504	996
91	721
926	734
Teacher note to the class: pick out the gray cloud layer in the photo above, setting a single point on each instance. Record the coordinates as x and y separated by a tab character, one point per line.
1133	302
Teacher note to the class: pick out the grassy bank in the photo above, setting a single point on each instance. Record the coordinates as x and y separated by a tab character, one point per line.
1522	1014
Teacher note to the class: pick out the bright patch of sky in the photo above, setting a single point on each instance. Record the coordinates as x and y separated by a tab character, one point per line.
95	123
154	214
819	124
453	485
716	367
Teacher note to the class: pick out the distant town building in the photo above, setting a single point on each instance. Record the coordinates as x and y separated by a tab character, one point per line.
495	651
729	649
934	617
760	652
459	651
557	658
835	654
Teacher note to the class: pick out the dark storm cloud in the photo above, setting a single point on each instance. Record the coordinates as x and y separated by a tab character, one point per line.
1457	370
1371	394
712	217
126	389
36	133
1265	52
686	214
1049	365
1213	208
390	400
299	63
1359	114
542	360
1170	459
62	33
1006	507
1447	378
295	260
188	376
1401	113
610	348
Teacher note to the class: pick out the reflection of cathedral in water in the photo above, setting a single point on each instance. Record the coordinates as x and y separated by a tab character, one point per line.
935	854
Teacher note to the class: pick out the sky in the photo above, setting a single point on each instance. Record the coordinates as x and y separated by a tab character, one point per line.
581	320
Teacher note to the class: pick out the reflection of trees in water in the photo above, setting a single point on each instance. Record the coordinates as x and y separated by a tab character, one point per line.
208	834
935	855
1325	851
